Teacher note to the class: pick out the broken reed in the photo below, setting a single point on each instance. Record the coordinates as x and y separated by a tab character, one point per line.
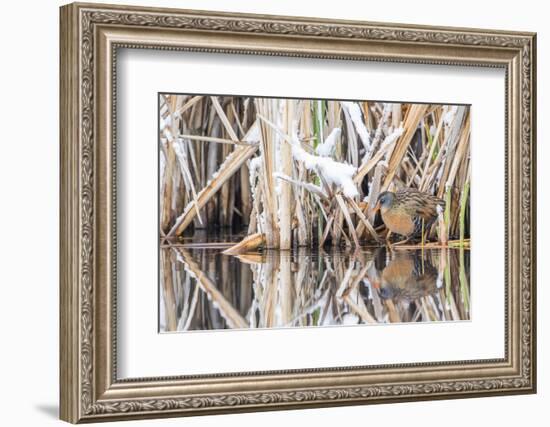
230	161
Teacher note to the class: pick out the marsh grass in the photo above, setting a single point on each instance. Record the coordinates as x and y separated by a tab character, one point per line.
270	165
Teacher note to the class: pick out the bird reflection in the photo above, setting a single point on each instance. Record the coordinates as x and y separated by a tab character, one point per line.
405	275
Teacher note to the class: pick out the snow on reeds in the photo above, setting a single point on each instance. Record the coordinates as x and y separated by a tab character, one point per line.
307	172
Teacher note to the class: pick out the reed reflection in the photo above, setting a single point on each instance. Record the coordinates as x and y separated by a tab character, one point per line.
202	289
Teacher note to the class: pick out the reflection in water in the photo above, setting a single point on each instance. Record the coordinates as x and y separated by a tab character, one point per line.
201	289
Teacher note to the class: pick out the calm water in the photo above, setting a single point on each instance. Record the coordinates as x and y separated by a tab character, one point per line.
202	289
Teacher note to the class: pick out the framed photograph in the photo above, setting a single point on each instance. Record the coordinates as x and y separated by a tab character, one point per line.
268	212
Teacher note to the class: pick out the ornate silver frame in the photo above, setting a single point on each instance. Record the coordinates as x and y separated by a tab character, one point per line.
90	36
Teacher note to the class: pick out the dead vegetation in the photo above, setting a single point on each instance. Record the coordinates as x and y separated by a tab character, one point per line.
307	172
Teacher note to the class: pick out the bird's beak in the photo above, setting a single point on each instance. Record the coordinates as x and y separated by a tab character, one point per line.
377	207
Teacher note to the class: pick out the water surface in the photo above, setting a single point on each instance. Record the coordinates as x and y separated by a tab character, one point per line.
202	289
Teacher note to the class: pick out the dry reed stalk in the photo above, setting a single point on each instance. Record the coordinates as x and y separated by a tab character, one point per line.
453	307
375	190
461	151
384	117
223	117
285	205
225	195
184	151
338	230
251	258
182	109
366	167
345	213
305	226
191	310
432	166
254	223
360	309
168	292
196	115
442	230
201	245
412	119
393	313
246	194
364	224
248	244
214	139
351	140
226	309
452	142
357	276
396	115
305	185
286	289
269	299
211	167
268	144
166	216
235	114
326	232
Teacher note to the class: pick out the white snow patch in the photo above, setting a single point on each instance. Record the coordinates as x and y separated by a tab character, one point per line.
168	134
164	123
450	115
255	164
333	172
354	111
392	137
180	259
327	147
180	152
253	134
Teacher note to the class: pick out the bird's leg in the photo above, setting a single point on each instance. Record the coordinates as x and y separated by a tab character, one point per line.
388	242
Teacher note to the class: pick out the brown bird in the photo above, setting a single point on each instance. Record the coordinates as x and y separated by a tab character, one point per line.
408	212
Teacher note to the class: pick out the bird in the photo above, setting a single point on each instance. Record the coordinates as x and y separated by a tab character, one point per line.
408	212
